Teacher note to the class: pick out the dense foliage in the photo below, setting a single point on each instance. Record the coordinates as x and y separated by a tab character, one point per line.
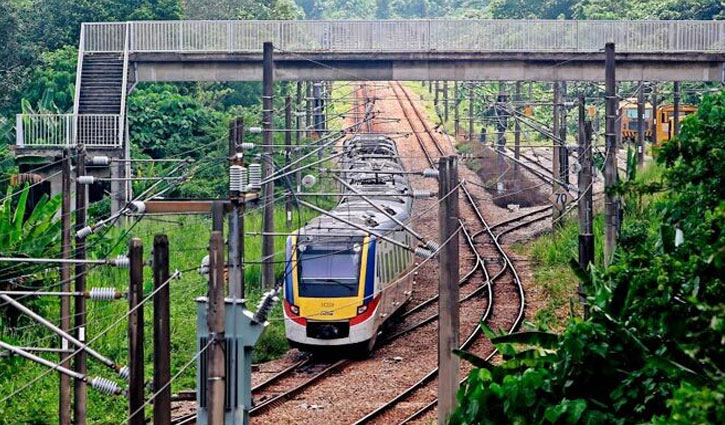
652	351
514	9
28	233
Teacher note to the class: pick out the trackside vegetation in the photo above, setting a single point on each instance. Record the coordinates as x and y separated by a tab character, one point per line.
651	351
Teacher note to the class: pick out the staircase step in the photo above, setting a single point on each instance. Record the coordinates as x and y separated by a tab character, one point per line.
103	76
102	93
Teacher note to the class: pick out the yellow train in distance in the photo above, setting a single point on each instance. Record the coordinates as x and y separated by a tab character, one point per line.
663	122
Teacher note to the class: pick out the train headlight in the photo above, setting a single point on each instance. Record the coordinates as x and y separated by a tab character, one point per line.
294	309
356	248
362	309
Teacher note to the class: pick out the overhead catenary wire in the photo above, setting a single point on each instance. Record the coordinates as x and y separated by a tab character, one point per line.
175	275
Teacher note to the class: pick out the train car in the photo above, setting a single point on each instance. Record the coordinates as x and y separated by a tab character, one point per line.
665	120
629	123
343	283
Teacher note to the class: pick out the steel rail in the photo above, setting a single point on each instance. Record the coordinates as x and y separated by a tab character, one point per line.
519	318
289	394
469	340
507	265
422	121
428	157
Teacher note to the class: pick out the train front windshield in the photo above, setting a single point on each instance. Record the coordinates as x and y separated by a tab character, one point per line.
329	271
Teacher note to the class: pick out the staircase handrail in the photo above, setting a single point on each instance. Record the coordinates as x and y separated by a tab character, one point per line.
79	72
124	82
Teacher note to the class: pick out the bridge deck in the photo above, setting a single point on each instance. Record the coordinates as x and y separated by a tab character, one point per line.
427	66
406	36
415	49
121	53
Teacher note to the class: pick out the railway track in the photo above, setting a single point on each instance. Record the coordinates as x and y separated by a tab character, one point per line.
506	274
305	373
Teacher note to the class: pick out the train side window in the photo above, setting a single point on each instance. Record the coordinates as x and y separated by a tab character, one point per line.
384	272
379	266
391	260
393	264
387	267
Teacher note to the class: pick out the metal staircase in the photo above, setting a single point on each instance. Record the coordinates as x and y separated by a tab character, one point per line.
101	80
100	103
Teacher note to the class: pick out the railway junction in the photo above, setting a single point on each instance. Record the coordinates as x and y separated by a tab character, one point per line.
455	246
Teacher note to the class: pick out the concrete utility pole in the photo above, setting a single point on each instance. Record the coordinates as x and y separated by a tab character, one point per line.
65	277
162	332
236	216
610	165
326	100
288	154
556	153
216	385
676	90
654	114
445	101
456	110
298	128
437	93
267	160
136	359
470	111
640	125
517	131
585	205
80	391
448	338
502	121
308	108
318	110
563	151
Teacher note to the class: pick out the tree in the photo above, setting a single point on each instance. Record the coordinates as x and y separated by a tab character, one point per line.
15	56
650	9
51	84
344	9
523	9
56	23
242	9
651	352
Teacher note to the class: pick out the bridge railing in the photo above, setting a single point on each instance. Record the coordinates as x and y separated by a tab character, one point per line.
407	36
68	130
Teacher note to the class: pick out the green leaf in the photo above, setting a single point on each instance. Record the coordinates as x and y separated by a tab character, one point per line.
540	339
19	215
473	359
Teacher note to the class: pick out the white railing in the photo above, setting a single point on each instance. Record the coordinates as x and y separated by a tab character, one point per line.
68	130
408	36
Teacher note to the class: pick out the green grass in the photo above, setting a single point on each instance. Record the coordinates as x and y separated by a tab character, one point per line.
188	240
551	253
429	109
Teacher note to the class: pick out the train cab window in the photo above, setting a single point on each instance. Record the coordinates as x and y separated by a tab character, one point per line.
632	113
329	271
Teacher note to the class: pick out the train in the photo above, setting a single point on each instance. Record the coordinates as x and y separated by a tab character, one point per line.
664	120
342	282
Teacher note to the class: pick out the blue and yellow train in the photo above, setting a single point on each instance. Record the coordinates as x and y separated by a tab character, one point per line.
341	282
